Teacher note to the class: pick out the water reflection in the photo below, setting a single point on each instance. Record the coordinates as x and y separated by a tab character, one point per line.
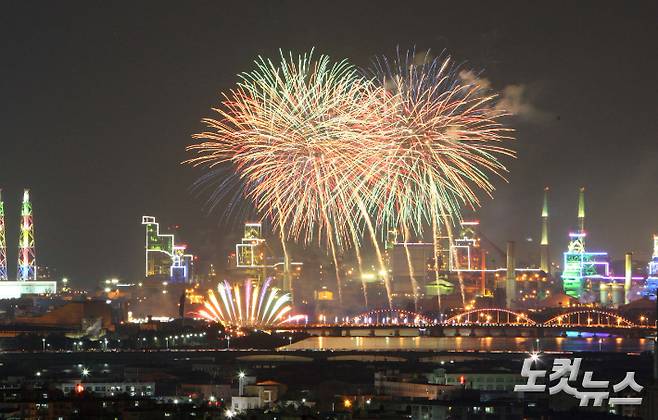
459	344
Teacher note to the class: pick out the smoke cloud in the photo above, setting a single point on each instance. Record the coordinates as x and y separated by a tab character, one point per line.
512	98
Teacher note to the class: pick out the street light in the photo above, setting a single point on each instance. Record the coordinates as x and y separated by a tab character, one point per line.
43	344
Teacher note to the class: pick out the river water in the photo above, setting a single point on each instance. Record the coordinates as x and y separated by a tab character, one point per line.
462	344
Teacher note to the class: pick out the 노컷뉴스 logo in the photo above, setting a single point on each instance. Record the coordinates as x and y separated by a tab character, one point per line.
565	371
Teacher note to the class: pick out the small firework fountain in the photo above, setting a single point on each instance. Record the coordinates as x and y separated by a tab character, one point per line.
251	305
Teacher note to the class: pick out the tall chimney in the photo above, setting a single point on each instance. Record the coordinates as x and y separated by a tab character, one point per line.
581	210
545	262
628	275
510	280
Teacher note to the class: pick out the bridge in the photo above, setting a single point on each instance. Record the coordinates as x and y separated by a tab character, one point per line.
485	322
391	317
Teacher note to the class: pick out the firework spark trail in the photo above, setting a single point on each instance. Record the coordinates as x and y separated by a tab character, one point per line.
412	275
359	261
435	243
269	307
287	277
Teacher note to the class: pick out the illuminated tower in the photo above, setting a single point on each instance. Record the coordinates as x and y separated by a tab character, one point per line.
3	242
545	261
581	210
27	268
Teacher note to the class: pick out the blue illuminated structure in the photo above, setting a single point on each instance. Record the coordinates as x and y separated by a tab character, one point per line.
651	288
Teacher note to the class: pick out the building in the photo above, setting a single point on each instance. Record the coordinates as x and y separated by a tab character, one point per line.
108	389
652	271
253	258
482	381
205	390
164	258
16	289
410	386
253	395
250	253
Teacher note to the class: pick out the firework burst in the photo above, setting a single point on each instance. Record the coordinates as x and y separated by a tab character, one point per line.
448	139
447	143
290	132
329	155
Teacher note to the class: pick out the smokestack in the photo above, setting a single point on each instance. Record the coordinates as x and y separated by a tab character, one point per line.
510	280
581	210
545	262
483	275
628	276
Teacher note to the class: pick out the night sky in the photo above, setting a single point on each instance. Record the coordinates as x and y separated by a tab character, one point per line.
99	99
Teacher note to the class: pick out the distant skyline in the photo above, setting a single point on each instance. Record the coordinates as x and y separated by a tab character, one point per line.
99	100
